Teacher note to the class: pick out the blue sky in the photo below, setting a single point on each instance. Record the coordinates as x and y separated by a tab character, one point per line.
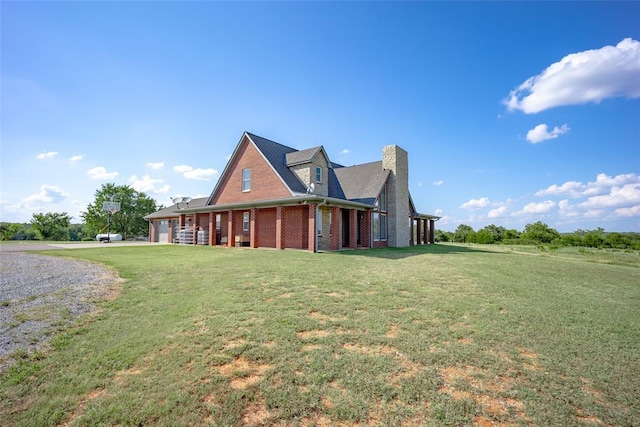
512	112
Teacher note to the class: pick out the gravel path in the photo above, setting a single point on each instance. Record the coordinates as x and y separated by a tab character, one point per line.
40	294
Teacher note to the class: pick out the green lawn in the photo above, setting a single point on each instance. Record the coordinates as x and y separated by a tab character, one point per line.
437	335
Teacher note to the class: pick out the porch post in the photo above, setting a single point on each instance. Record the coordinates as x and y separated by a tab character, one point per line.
279	228
152	231
336	235
170	230
418	232
425	238
432	231
313	230
253	229
231	235
353	228
212	230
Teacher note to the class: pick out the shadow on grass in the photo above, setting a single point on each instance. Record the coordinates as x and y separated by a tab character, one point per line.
398	253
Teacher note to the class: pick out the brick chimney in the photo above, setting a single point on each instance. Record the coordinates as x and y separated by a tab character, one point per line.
396	160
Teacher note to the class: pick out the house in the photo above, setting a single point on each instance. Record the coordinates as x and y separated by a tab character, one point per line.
270	195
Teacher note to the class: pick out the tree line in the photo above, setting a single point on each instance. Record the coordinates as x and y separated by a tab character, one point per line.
539	233
129	221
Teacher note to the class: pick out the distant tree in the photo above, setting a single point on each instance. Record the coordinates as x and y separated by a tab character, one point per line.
594	238
8	230
51	225
443	236
464	234
129	221
540	232
490	234
510	233
617	240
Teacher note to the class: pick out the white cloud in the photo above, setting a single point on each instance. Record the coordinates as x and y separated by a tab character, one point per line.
47	194
601	185
47	155
76	158
633	211
476	203
100	173
624	196
497	212
580	78
541	133
438	183
155	166
146	184
345	151
195	173
537	208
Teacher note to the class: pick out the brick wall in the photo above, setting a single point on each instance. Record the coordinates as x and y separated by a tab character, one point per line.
296	227
265	183
267	227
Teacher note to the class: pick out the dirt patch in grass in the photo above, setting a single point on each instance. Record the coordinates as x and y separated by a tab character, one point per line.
307	335
477	384
323	318
256	414
532	364
393	331
244	373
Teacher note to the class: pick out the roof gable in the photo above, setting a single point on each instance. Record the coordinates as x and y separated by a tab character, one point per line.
266	179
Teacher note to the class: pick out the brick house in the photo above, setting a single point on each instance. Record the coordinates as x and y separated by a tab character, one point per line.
274	196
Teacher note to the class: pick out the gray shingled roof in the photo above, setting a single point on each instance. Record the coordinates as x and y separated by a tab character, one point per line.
173	209
276	154
302	156
362	183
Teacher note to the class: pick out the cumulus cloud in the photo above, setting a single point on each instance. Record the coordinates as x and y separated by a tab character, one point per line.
499	212
190	172
146	184
601	185
476	203
626	195
541	133
438	183
47	155
47	194
100	173
580	78
538	208
345	151
633	211
76	158
155	166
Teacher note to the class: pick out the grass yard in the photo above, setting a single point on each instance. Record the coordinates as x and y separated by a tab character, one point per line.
437	335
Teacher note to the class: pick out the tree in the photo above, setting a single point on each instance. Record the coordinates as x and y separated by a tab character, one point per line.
9	230
464	234
490	234
51	225
540	232
129	221
443	236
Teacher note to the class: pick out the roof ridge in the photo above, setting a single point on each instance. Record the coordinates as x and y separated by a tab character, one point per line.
252	135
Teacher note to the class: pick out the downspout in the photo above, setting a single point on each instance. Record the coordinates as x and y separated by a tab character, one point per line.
323	202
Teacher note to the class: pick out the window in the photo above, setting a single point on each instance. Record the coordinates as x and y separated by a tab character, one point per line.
246	180
318	174
379	226
218	221
245	221
383	199
319	222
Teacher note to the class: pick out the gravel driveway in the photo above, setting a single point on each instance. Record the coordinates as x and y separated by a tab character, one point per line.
41	294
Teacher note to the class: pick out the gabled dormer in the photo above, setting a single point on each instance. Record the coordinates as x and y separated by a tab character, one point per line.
311	166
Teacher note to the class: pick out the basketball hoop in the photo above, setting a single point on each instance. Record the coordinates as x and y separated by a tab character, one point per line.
111	208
